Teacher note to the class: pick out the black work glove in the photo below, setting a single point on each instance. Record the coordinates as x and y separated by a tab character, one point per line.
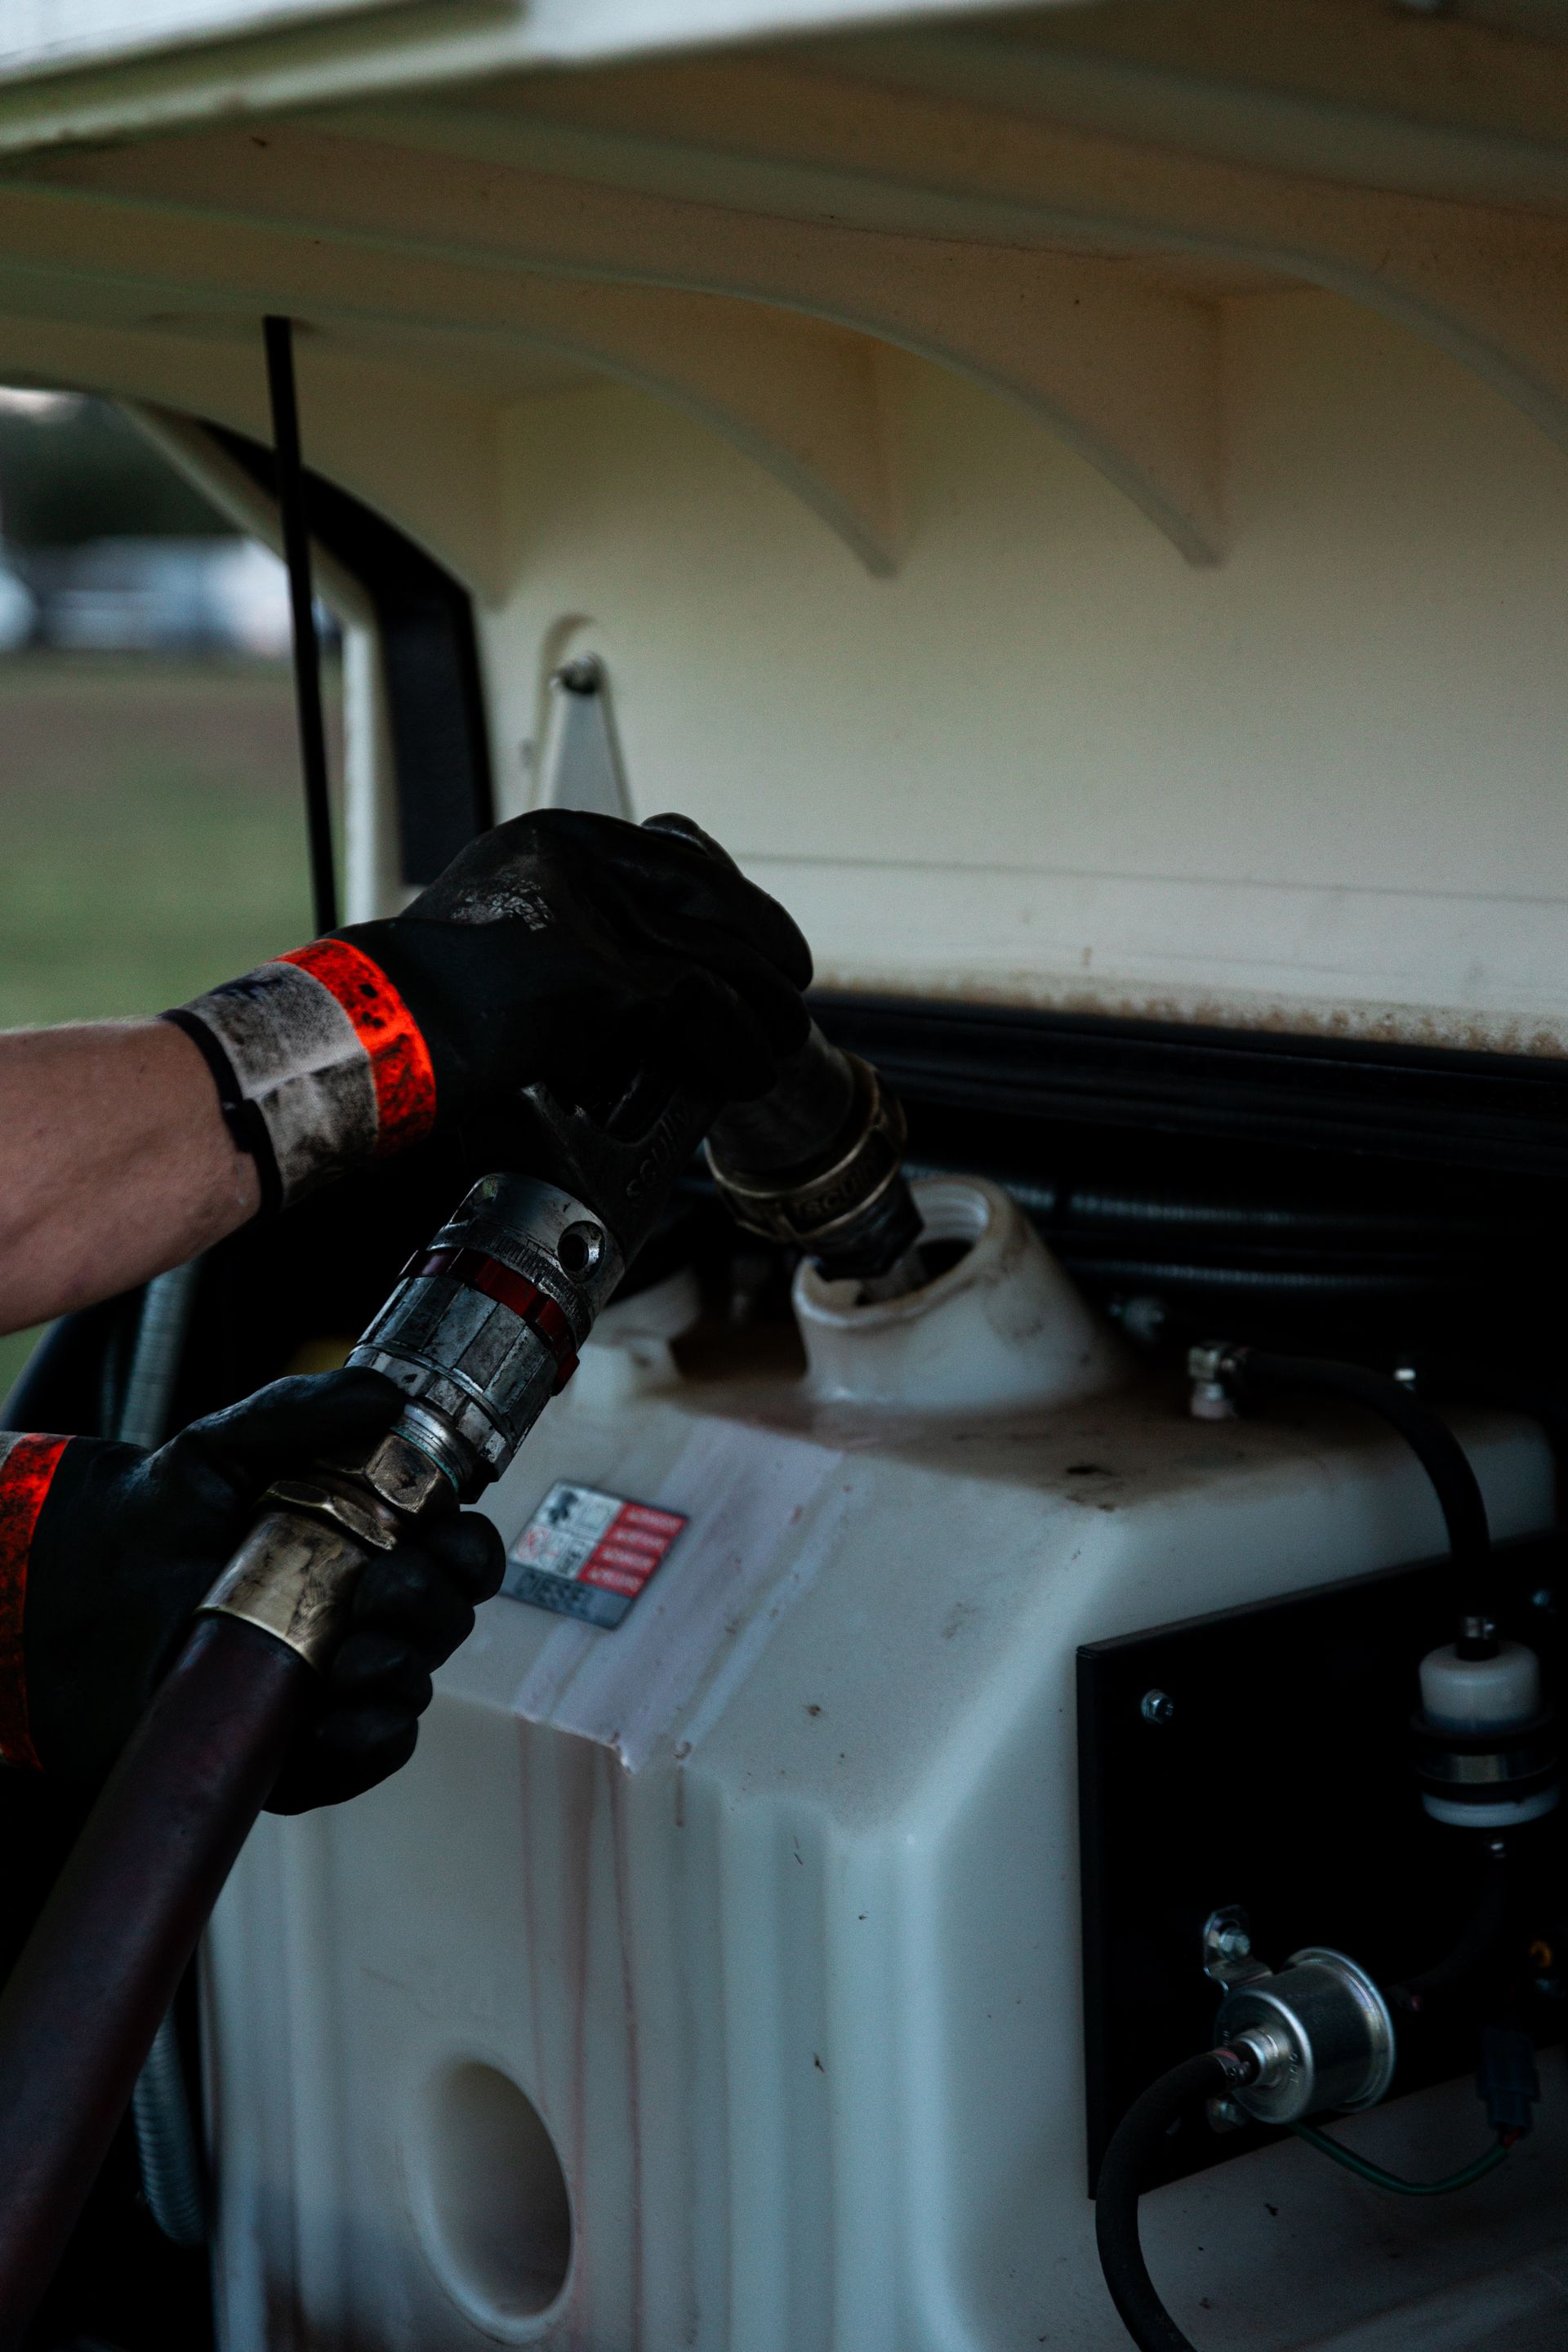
126	1544
579	950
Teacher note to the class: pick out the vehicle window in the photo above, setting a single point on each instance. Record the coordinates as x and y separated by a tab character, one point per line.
148	774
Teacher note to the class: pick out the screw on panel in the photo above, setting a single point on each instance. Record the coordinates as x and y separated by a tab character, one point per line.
1157	1707
1544	1598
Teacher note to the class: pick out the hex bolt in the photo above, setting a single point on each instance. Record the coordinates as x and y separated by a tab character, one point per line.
1157	1707
1224	2114
1232	1942
1542	1597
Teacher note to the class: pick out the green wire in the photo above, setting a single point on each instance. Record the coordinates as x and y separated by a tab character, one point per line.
1363	2170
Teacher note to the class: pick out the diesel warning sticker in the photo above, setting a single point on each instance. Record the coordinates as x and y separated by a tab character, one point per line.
588	1555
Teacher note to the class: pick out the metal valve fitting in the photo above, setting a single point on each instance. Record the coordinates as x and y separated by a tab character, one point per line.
485	1324
482	1331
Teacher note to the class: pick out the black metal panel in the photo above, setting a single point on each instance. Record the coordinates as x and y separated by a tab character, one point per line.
435	703
1283	1781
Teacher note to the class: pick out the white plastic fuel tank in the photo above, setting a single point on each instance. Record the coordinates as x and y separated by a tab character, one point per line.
711	1979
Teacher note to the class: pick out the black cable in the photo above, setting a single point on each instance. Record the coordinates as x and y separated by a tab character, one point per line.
1431	1439
1121	2178
1464	1381
1394	2183
279	335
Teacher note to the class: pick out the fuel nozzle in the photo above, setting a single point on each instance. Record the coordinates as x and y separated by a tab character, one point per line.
818	1163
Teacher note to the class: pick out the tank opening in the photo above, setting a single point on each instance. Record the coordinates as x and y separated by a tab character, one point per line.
498	2214
953	1220
938	1258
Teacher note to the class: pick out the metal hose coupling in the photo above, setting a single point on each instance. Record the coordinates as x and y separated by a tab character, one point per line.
482	1329
818	1165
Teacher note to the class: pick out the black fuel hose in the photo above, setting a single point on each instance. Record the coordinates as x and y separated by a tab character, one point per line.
1126	2163
97	1973
1248	1372
1121	2178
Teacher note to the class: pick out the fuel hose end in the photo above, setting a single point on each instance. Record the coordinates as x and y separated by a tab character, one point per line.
817	1164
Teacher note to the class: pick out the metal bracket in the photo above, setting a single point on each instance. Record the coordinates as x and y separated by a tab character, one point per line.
1228	1956
583	769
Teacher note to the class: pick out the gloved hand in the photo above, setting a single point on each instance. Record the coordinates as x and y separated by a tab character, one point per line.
561	947
106	1552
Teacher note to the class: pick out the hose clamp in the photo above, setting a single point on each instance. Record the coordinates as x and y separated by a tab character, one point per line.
294	1575
810	1209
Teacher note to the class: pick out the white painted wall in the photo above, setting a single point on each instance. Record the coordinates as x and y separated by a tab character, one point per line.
43	36
95	68
1048	762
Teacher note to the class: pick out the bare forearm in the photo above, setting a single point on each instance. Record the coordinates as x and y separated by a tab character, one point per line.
115	1162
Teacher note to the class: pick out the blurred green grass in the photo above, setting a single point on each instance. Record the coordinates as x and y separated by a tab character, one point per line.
154	841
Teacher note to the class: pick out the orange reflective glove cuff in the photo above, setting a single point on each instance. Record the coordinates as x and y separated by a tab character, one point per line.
319	1065
27	1466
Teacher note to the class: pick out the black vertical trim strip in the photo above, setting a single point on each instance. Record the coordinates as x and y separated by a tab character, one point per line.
278	335
436	710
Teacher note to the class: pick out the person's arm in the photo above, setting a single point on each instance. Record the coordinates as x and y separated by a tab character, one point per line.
115	1162
571	949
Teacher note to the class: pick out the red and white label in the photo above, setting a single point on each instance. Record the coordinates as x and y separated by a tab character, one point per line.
588	1555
